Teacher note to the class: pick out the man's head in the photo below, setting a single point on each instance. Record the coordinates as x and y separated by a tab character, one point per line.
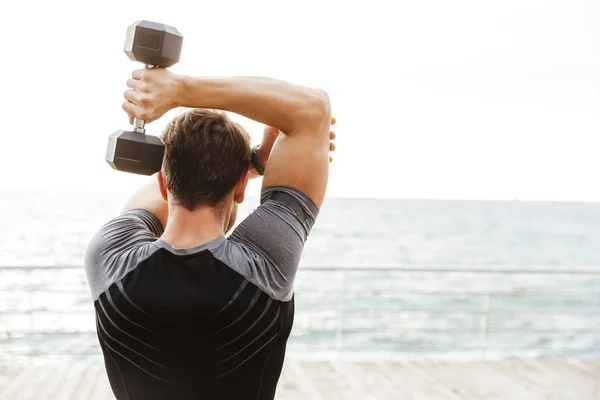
206	161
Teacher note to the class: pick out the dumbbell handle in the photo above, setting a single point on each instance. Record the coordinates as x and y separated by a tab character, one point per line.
139	124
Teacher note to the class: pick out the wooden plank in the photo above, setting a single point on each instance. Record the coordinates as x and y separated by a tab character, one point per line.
102	390
349	384
414	383
588	368
288	387
513	371
587	376
370	377
450	382
83	383
285	386
551	378
70	381
568	372
13	388
7	375
489	380
427	380
39	378
52	385
395	391
545	382
562	382
299	383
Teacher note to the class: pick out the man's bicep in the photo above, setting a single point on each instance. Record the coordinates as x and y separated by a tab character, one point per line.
300	161
276	232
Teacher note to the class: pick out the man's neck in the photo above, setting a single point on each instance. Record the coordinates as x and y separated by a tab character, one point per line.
192	228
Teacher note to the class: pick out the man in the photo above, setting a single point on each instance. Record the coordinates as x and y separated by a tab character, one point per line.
183	312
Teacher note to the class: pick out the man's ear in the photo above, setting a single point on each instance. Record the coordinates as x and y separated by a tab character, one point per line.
240	189
162	186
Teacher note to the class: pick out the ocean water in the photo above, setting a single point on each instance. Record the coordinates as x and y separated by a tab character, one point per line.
372	312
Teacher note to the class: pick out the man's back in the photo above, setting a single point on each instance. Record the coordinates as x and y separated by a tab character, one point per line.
210	321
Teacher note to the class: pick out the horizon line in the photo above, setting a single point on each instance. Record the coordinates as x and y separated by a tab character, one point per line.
125	193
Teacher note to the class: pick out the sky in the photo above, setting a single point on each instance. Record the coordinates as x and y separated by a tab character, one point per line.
434	99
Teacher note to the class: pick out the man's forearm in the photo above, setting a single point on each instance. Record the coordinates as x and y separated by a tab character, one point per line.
272	102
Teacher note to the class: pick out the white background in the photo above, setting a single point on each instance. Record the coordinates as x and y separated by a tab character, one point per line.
435	99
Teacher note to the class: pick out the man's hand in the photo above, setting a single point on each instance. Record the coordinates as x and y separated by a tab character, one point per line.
270	134
152	93
263	151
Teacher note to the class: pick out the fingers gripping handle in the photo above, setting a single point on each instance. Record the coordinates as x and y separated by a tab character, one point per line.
139	124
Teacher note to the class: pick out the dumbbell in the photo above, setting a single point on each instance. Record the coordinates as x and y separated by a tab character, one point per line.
155	45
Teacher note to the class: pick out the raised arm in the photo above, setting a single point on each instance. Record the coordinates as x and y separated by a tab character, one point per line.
300	156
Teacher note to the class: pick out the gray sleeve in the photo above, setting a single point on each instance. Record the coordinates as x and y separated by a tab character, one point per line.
118	247
270	240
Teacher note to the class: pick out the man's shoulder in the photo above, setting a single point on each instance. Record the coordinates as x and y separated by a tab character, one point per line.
266	247
119	246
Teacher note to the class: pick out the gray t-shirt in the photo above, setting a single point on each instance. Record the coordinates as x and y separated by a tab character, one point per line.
210	321
265	248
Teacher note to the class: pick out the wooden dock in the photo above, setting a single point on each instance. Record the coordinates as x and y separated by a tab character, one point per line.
415	380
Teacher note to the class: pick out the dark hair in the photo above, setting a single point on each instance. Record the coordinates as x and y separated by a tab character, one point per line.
206	154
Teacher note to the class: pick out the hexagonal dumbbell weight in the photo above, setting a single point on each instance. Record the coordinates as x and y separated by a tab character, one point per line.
156	45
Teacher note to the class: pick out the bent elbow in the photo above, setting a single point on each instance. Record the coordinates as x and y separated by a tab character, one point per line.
315	110
321	105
